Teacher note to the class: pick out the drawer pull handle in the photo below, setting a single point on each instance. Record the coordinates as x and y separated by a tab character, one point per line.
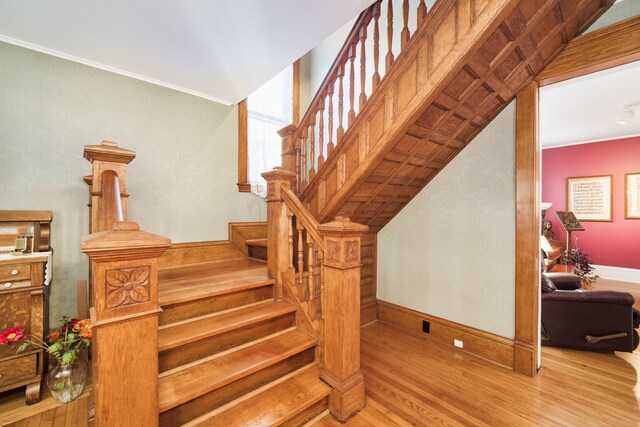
14	272
7	285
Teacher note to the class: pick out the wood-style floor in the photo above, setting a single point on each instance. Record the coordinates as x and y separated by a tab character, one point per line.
412	381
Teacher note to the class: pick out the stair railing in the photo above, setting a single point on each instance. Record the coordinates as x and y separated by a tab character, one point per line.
350	82
124	296
317	268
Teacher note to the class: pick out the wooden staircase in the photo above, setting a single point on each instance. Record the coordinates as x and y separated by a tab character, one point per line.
223	339
238	341
461	66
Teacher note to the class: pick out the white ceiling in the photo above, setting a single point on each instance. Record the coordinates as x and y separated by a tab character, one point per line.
217	49
585	109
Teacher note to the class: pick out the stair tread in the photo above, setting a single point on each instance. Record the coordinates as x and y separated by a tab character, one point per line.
172	336
273	405
185	283
257	242
183	384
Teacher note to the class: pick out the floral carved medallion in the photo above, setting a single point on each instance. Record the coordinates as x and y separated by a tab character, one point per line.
333	250
351	249
128	286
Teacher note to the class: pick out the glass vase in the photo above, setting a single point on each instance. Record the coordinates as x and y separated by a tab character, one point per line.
67	381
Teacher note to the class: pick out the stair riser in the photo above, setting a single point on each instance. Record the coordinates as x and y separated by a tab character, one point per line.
223	395
206	347
308	414
190	309
257	252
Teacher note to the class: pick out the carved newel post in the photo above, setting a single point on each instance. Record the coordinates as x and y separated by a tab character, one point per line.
341	313
288	148
277	225
124	270
107	184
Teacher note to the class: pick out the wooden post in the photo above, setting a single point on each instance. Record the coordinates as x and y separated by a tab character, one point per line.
124	267
341	312
107	159
277	226
288	148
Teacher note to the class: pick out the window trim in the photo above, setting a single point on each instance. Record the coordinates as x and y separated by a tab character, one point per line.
243	132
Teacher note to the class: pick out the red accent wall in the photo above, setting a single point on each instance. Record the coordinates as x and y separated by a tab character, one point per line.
614	243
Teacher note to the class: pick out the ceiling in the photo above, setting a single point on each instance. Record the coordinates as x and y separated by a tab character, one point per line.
217	49
585	109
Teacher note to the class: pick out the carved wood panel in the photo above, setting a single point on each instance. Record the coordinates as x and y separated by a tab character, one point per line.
458	72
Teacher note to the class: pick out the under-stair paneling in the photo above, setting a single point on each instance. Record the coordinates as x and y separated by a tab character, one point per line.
458	71
451	252
368	278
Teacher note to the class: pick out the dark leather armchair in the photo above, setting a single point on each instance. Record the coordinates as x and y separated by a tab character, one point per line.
586	319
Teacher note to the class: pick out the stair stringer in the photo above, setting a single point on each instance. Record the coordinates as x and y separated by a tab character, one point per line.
459	71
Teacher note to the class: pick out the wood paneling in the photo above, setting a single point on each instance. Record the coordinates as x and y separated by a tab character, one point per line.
240	232
243	148
479	343
436	98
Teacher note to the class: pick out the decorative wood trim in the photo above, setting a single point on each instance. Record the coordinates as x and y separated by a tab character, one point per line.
196	252
240	232
243	148
604	48
607	47
528	219
483	344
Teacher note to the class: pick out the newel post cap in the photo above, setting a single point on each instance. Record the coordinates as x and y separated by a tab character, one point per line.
342	226
108	151
288	130
125	237
278	174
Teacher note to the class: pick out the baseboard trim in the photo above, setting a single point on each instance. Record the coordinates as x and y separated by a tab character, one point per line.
368	312
618	273
485	345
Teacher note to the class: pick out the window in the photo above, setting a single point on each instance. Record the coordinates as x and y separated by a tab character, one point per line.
260	117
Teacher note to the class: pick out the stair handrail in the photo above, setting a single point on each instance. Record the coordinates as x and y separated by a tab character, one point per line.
317	268
300	140
303	215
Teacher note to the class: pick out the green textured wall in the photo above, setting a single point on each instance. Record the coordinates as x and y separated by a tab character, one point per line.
182	183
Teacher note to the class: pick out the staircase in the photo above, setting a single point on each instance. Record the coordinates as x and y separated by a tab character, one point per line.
240	341
461	66
227	348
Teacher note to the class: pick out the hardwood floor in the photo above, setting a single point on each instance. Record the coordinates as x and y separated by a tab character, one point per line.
46	413
411	380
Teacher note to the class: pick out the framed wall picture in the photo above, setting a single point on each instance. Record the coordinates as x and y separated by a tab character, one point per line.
590	197
632	195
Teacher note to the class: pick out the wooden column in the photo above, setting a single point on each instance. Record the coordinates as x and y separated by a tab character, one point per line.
107	159
277	225
124	270
528	220
288	148
341	312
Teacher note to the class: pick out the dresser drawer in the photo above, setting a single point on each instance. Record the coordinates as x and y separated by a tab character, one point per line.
19	369
15	272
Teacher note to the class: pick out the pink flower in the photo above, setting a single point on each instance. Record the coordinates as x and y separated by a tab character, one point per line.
12	335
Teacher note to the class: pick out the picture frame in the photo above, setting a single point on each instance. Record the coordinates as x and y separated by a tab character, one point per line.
590	198
632	195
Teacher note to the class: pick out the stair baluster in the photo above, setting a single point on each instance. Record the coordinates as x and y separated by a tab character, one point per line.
375	80
389	57
404	38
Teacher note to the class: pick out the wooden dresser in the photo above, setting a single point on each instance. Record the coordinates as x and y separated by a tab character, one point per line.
23	298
